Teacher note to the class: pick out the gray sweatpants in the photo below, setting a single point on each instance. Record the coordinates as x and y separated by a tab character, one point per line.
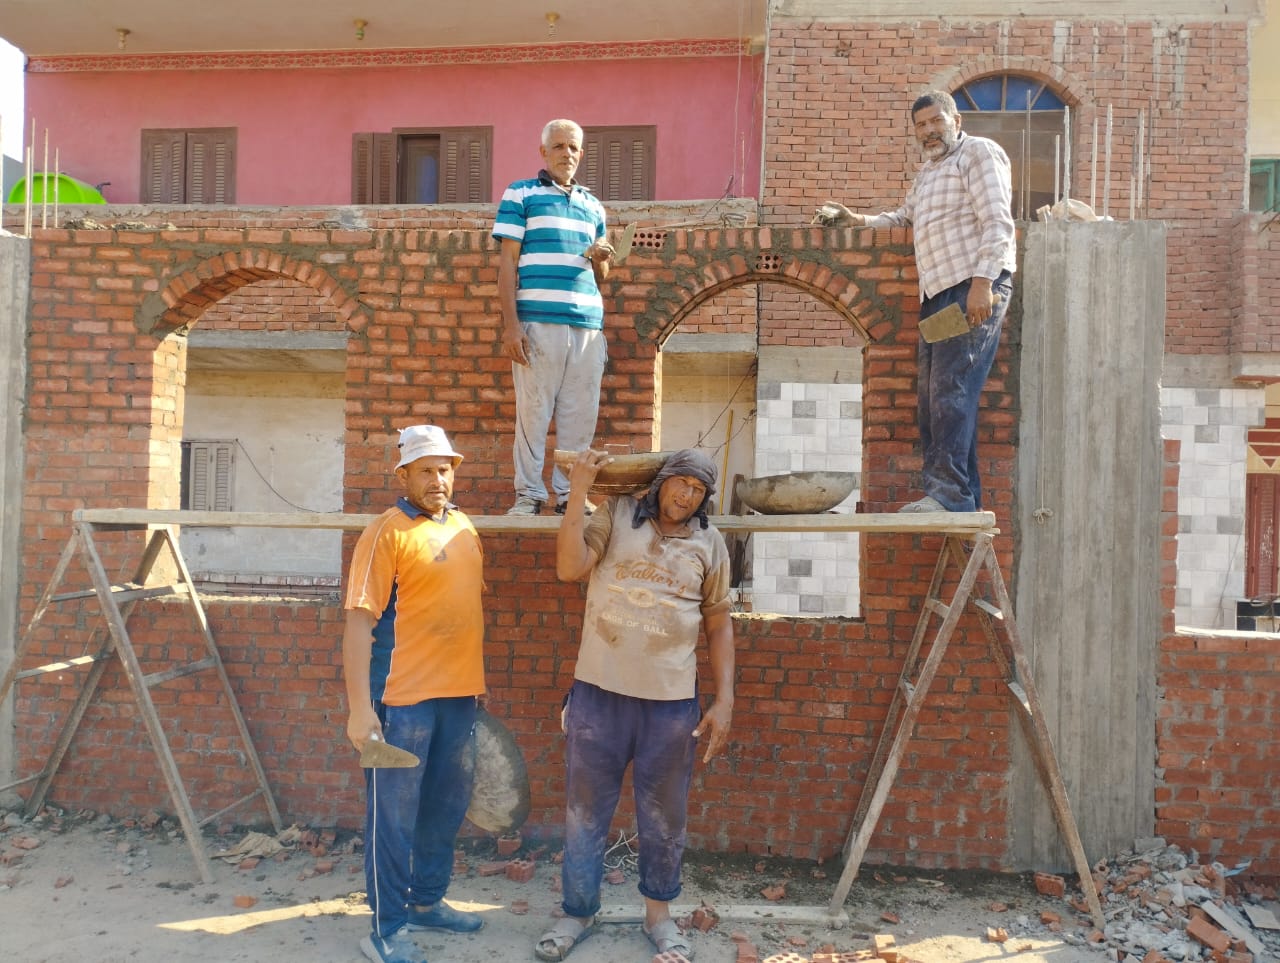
561	381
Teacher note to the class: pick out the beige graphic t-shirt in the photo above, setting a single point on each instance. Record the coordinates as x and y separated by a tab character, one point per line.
646	599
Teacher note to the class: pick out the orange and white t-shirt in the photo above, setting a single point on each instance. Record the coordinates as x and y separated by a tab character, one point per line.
422	580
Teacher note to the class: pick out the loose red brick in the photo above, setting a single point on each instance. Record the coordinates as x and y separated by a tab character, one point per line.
1048	884
1207	934
520	870
509	845
244	901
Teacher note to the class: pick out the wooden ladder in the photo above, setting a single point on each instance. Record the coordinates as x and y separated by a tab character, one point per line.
978	564
117	603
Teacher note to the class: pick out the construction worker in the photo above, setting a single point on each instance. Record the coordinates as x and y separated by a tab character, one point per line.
411	655
960	207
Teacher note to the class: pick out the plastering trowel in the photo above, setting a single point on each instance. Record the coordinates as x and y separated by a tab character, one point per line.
379	754
950	322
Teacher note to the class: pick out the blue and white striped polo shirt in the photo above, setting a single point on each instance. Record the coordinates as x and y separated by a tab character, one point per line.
554	227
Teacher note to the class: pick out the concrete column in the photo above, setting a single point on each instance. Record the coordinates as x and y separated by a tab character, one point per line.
15	280
1089	481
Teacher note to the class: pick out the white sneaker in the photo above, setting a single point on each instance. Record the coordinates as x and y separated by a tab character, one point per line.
525	505
919	507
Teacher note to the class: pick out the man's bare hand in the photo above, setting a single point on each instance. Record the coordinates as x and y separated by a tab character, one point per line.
832	214
585	469
717	720
362	724
515	345
978	305
599	251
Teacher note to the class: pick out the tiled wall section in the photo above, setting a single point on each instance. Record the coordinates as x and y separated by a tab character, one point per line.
807	427
1212	425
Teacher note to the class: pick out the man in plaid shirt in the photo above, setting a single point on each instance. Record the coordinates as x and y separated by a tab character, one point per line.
960	209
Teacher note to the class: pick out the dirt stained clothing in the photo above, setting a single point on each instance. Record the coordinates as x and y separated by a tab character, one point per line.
960	209
646	600
634	702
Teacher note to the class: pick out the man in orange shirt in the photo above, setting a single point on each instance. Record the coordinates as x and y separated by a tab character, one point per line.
411	654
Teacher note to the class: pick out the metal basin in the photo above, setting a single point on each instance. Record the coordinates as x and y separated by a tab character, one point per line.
798	492
625	475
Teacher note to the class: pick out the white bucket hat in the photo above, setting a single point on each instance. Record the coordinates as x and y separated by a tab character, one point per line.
419	441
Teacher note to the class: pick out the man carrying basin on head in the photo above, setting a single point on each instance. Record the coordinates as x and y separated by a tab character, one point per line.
411	655
657	573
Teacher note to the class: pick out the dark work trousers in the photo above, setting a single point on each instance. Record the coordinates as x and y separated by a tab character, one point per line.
604	733
412	815
951	376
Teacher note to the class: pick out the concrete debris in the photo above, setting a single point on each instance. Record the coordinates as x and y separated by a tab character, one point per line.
1161	904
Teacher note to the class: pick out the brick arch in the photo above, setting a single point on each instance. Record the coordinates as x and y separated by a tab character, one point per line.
185	296
1072	91
820	266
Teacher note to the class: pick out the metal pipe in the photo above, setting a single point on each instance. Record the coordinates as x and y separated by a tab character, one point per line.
31	161
1057	145
1026	164
26	201
1106	168
1066	155
1093	167
57	184
44	184
1022	170
1142	154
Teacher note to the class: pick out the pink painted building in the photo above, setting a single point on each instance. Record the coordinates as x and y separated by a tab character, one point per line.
673	121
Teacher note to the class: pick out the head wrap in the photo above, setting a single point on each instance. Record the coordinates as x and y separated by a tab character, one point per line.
690	463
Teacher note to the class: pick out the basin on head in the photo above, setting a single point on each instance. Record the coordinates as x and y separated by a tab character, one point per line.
624	475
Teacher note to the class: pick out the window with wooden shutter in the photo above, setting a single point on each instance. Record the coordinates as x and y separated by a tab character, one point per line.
188	166
208	472
1262	535
373	169
420	165
619	163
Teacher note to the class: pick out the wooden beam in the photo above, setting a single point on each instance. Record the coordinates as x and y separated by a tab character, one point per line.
932	523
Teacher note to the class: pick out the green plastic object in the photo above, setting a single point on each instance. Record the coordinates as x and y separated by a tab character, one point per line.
64	187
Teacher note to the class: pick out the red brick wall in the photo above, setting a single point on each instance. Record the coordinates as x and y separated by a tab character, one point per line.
1219	747
1217	738
838	126
1257	258
421	306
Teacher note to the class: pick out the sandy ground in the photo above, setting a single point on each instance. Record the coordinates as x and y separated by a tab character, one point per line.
93	889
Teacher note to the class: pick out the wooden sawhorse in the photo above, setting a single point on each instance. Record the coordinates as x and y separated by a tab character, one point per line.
977	564
117	602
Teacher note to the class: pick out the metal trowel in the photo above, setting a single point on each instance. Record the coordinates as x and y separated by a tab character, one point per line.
379	754
623	247
950	322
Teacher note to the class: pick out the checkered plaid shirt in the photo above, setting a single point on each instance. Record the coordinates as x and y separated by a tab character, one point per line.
959	207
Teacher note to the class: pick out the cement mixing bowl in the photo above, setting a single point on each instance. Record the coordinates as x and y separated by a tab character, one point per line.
625	475
798	492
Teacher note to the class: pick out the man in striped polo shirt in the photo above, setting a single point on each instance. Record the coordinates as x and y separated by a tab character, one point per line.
553	258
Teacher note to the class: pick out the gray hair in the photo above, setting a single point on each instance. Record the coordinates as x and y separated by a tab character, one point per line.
938	98
560	124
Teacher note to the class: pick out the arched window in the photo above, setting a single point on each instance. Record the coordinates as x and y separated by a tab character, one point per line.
1021	114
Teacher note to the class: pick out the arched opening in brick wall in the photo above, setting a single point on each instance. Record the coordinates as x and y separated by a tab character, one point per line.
259	398
263	430
770	393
